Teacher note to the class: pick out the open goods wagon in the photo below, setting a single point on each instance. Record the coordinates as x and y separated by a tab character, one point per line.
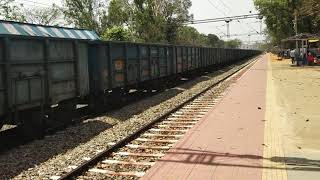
46	71
117	67
43	70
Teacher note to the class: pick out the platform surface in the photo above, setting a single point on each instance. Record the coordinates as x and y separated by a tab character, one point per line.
228	143
266	127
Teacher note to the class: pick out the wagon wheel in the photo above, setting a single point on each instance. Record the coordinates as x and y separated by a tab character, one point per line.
33	123
2	120
1	124
66	111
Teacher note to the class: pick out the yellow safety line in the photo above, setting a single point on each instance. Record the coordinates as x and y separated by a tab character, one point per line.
273	146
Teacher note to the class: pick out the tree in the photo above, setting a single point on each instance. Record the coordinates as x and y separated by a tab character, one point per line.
43	16
279	16
117	33
119	13
10	11
310	7
175	14
187	36
235	43
190	36
214	41
88	14
310	14
150	20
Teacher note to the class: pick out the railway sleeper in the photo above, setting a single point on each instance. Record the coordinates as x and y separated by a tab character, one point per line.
168	130
137	154
108	161
156	140
113	173
135	146
185	119
179	122
163	135
175	126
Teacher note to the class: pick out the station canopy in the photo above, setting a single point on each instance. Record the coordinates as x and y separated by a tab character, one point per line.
25	29
304	36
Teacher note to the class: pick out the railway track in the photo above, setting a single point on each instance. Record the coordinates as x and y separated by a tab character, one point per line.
133	156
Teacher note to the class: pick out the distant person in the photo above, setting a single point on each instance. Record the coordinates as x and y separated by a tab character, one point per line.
292	55
279	55
297	56
304	56
310	58
288	54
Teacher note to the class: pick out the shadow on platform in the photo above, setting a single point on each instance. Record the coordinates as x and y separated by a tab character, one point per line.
191	156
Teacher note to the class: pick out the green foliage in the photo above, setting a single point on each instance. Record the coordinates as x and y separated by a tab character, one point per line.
43	16
187	35
175	14
159	21
190	36
150	20
279	16
235	43
89	14
214	41
147	21
310	7
10	11
118	13
310	15
117	33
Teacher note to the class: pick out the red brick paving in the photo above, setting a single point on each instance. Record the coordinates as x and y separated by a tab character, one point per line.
228	142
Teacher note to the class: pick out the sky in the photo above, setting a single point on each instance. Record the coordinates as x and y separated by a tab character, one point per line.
204	9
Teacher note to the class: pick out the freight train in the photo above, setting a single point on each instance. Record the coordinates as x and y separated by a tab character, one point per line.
45	72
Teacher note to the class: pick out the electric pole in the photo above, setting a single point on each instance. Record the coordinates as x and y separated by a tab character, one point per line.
295	23
296	26
228	28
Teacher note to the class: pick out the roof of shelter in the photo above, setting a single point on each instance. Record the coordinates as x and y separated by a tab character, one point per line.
25	29
303	36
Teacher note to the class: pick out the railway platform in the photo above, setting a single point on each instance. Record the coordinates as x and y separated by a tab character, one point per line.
243	136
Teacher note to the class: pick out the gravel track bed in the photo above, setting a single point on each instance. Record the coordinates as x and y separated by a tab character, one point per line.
52	155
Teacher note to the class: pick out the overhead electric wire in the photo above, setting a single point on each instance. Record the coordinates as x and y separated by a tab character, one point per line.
229	10
30	4
221	32
247	34
226	19
226	6
246	16
217	8
34	3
